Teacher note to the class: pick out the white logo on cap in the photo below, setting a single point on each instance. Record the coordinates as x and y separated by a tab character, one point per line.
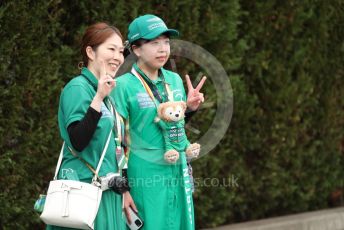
156	25
135	35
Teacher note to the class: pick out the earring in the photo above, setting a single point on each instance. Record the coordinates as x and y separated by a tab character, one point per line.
80	65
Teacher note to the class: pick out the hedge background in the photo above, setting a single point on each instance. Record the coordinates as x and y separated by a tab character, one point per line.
285	143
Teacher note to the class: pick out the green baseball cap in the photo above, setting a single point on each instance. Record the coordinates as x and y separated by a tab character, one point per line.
148	27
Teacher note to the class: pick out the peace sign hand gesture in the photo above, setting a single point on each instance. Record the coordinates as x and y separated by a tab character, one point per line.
105	83
195	97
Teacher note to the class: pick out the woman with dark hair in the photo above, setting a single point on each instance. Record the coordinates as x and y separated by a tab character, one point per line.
87	117
161	189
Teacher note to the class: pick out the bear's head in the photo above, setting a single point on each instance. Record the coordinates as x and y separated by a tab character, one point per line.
172	111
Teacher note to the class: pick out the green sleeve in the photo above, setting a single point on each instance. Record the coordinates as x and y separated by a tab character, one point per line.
120	96
74	103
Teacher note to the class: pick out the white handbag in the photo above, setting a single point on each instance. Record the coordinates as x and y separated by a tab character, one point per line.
70	203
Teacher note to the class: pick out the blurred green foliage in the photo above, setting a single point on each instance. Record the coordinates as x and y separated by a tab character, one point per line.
283	152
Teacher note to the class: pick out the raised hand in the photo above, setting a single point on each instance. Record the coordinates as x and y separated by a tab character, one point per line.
195	97
105	82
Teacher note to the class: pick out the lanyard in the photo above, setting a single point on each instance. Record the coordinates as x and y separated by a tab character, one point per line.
117	118
121	160
148	89
152	86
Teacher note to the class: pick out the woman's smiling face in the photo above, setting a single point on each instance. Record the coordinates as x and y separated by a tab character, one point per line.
111	53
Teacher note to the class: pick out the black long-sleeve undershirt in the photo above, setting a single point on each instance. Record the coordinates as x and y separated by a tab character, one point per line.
81	132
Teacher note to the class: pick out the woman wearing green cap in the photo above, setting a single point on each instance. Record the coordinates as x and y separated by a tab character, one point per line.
161	190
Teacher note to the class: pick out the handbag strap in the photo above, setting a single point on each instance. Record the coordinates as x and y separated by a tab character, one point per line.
99	164
59	161
102	157
81	159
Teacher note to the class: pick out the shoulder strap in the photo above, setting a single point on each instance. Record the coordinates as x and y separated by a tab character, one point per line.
59	161
95	172
81	159
102	157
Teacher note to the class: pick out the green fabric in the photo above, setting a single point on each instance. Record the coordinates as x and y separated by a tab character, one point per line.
75	100
133	102
110	215
148	27
174	135
162	192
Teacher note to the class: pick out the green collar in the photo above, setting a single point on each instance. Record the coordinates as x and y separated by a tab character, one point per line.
161	75
90	77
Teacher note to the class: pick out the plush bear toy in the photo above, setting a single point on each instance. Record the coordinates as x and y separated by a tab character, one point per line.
171	121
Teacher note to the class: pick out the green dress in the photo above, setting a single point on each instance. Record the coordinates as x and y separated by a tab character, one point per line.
161	191
75	100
